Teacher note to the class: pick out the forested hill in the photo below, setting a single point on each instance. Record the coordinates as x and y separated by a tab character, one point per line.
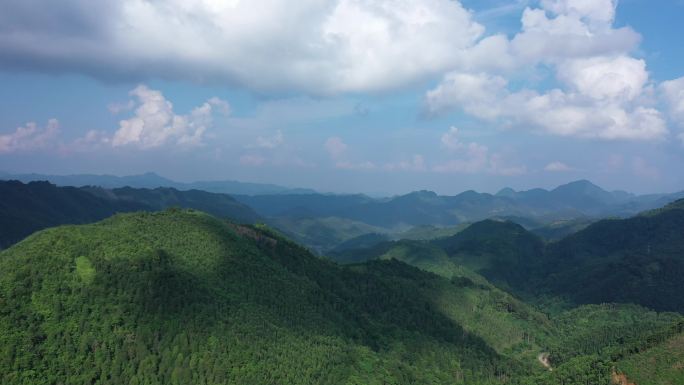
639	260
635	260
179	297
26	208
219	205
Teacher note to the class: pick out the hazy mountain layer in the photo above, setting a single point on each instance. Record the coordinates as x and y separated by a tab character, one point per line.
25	208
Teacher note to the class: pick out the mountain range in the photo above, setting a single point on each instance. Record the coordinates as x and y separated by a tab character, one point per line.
26	208
181	297
633	260
151	180
551	213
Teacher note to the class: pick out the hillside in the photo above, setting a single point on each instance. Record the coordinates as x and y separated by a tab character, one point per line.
501	251
638	260
180	297
219	205
553	214
635	260
25	208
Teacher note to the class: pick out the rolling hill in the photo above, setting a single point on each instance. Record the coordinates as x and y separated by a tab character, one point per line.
635	260
26	208
180	297
553	214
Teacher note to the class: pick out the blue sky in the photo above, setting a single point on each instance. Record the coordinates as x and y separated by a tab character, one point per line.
384	96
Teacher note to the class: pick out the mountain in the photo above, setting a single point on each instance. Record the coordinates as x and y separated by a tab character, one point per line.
151	180
635	260
26	208
219	205
639	260
179	297
499	250
147	180
558	230
322	234
563	210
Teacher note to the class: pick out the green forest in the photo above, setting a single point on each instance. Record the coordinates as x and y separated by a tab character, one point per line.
181	297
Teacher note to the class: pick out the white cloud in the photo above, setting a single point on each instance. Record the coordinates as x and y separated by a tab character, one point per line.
335	147
310	45
451	140
155	124
30	137
220	105
596	12
474	93
620	78
673	93
557	167
577	28
270	141
602	91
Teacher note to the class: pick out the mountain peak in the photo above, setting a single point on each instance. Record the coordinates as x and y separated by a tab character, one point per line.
582	183
506	192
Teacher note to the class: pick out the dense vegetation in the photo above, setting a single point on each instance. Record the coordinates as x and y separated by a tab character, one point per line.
180	297
219	205
322	221
26	208
637	260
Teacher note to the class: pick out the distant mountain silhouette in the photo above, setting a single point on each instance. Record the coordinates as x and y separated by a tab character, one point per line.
152	180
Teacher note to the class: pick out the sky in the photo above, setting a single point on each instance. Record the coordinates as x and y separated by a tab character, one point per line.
380	97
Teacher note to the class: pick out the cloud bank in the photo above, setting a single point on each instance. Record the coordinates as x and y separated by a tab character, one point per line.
313	46
598	89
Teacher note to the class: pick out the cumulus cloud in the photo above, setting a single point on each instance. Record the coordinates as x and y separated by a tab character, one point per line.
451	140
673	92
311	45
570	29
30	137
155	124
602	92
557	167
